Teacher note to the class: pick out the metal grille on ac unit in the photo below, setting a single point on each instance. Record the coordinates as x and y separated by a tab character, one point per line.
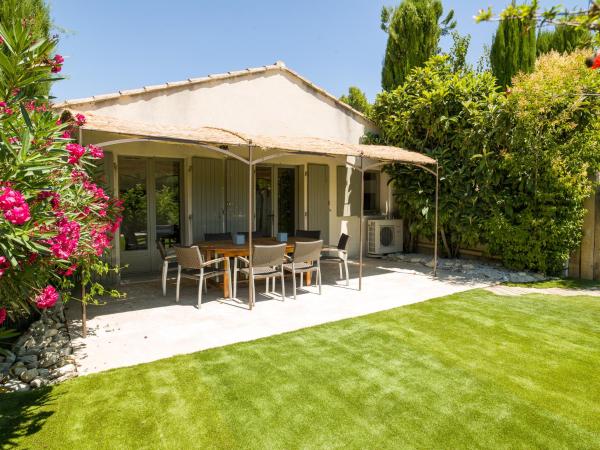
384	236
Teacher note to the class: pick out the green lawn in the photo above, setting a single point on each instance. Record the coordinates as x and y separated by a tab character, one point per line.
468	370
565	283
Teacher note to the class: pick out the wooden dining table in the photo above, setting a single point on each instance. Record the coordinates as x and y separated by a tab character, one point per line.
228	249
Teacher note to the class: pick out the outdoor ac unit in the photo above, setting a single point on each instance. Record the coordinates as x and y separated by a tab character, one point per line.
384	236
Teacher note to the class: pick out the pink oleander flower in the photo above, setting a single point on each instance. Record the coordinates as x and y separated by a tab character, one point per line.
47	298
70	270
16	209
114	227
78	176
79	120
2	104
66	135
96	190
4	265
2	315
9	198
56	63
76	151
66	241
13	140
96	152
100	241
18	215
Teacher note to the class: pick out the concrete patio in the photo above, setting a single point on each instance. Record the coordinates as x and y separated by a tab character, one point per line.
147	326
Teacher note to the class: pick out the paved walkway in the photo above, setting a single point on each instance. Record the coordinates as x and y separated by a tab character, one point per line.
515	291
147	326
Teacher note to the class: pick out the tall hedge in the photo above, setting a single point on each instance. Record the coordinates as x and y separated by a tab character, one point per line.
546	168
514	167
453	117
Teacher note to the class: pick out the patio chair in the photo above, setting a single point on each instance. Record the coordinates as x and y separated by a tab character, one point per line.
305	259
255	234
267	262
310	234
190	264
211	237
167	259
338	255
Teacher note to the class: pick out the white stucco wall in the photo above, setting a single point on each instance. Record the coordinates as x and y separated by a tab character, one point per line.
273	103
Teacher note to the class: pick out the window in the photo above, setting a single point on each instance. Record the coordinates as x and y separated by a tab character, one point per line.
371	193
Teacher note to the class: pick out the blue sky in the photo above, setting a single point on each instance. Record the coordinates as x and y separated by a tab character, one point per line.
111	45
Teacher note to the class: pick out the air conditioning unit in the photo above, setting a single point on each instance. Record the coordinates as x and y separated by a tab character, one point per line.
384	236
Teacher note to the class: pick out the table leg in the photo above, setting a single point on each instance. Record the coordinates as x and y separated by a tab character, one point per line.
226	292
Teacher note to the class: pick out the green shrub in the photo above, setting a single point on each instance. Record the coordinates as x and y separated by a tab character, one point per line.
514	169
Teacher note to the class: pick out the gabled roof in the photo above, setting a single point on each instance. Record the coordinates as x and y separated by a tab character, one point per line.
279	66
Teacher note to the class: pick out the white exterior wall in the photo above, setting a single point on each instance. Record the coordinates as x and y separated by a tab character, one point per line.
273	103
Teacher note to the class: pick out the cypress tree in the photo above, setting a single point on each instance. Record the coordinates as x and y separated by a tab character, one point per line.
414	31
513	50
563	39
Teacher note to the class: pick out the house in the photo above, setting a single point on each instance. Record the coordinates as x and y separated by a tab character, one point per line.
177	155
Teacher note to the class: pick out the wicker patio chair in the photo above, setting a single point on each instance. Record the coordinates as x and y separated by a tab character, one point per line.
338	255
305	259
167	260
190	264
310	234
267	262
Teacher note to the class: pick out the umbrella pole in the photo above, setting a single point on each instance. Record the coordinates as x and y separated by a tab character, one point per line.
435	240
360	226
250	214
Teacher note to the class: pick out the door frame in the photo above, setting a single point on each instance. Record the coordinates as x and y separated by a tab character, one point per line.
151	254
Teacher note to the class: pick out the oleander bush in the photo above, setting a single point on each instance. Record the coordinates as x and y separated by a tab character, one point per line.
55	221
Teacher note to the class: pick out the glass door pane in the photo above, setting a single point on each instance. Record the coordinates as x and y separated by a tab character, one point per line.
167	193
264	200
286	200
133	192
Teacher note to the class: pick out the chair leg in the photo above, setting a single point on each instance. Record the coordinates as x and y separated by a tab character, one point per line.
294	282
347	274
274	280
252	293
341	274
267	285
178	282
319	276
205	286
282	286
202	281
229	282
235	272
165	268
301	281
